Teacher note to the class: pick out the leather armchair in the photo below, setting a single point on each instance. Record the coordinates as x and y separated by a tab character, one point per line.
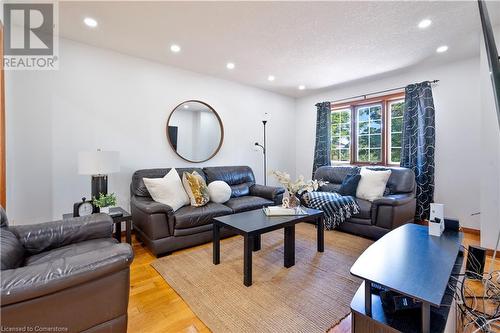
69	274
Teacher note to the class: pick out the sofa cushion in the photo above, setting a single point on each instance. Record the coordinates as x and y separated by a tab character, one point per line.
137	186
70	250
349	185
248	202
11	250
168	190
372	184
196	188
365	209
190	216
335	174
240	178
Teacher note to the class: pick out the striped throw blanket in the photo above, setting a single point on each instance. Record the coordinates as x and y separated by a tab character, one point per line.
337	208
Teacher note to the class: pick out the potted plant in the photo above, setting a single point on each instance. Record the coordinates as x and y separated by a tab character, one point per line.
104	202
298	186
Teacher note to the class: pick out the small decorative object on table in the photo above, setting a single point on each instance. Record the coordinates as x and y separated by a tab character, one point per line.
299	186
104	202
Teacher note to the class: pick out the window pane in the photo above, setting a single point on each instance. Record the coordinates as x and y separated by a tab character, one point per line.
396	140
335	117
335	141
396	155
363	155
363	141
345	155
397	109
396	125
375	126
335	155
375	112
335	129
363	114
375	141
345	142
345	129
375	155
345	117
363	128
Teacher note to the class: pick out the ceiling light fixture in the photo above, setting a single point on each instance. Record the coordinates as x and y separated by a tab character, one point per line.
302	87
425	23
230	65
271	78
442	48
90	22
175	48
186	106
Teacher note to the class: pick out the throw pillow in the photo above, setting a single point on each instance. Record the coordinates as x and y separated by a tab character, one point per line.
372	184
168	190
196	188
349	185
219	191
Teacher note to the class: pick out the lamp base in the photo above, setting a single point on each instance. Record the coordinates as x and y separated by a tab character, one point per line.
99	185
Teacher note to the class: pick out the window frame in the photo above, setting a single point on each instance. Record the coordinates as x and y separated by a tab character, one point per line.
385	102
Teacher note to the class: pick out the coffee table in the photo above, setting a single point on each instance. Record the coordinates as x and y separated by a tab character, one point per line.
252	224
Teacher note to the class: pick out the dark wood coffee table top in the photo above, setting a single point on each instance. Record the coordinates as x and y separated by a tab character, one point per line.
411	262
256	221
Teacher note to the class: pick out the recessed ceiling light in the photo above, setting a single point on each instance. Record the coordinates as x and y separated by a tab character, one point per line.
230	65
442	48
270	78
90	22
175	48
302	87
186	106
425	23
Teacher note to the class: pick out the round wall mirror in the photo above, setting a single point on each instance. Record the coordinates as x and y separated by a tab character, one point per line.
195	131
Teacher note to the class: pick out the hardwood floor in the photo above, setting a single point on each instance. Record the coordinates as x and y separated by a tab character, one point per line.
155	307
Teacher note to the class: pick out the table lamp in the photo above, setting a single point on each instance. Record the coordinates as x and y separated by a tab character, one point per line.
98	164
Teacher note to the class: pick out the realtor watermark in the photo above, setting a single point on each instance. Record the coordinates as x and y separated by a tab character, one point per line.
30	35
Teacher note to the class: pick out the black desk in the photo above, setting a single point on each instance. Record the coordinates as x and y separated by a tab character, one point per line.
411	262
254	223
117	221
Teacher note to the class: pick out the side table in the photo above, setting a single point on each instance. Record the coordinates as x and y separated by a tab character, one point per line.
117	221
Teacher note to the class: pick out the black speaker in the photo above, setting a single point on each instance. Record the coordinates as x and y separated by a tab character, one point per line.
476	257
451	224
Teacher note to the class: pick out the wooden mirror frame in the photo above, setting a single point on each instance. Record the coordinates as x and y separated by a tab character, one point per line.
218	119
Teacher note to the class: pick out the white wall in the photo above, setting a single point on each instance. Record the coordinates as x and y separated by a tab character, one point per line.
490	156
102	99
456	99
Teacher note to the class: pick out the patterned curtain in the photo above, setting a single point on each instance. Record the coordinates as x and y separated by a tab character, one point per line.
418	143
323	136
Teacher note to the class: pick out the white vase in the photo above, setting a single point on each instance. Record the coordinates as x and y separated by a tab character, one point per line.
104	210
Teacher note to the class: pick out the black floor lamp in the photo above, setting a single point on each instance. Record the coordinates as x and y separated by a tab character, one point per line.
265	119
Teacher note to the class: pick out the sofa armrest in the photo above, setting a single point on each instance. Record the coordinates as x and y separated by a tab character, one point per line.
267	192
149	206
33	281
45	236
394	200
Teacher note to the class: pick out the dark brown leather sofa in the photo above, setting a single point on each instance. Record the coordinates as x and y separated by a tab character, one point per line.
64	276
376	218
164	231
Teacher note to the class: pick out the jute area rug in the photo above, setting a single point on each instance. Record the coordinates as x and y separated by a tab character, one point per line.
311	296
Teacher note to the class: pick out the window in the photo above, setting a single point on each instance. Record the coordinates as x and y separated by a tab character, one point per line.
341	135
368	131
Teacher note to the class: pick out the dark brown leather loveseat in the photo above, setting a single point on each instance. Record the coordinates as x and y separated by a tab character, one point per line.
64	276
376	218
164	231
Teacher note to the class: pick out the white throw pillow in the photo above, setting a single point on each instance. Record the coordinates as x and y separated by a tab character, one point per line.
219	191
168	190
372	184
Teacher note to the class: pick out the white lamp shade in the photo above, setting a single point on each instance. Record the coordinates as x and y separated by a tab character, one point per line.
98	162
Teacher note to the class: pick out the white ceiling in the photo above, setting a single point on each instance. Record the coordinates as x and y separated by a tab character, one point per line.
318	44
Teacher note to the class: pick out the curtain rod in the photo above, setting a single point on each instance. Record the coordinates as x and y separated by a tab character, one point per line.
374	93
